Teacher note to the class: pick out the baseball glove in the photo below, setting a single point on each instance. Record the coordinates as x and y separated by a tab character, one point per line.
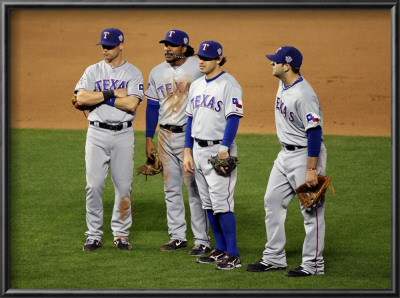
79	107
229	164
151	167
309	197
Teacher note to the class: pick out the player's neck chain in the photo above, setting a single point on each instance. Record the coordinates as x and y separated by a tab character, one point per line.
179	57
177	62
285	87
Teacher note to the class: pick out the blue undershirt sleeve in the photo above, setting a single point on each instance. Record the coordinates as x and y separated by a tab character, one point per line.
314	140
188	133
151	117
230	131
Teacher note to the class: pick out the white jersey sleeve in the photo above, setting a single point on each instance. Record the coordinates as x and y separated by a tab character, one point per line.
233	100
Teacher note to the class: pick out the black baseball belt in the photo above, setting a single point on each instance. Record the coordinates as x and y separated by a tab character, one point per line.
204	143
292	148
111	127
173	128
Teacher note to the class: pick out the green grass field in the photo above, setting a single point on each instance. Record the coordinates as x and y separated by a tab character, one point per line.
47	221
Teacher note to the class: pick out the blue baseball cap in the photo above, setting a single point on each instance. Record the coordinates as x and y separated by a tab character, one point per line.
111	37
289	55
210	49
176	37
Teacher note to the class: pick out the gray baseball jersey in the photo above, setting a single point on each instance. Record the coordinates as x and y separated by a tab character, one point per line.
101	77
104	146
169	86
299	111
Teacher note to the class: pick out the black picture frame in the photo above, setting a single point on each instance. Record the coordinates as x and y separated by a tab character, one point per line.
7	6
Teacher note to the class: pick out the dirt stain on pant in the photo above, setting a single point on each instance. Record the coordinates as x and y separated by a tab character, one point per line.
124	207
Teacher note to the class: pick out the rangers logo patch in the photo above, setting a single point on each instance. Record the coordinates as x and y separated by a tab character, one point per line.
140	87
311	117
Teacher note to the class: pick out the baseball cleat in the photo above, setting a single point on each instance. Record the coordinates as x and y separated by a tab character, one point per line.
199	250
91	245
262	266
173	244
229	262
298	272
214	256
122	243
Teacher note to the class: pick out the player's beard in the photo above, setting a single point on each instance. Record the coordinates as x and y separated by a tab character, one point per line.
172	61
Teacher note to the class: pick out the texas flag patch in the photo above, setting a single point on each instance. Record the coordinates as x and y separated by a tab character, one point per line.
311	117
236	102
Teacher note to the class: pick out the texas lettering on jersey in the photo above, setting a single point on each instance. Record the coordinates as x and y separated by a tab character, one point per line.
204	101
107	84
173	88
280	106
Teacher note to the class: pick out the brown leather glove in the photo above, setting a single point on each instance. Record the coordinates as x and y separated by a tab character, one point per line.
310	196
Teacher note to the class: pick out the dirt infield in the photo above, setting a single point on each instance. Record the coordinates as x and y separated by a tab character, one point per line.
346	60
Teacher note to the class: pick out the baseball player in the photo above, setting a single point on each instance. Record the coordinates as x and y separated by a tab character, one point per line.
214	110
114	89
303	156
167	92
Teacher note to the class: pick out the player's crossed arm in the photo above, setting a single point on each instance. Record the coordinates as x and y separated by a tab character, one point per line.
125	102
116	98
